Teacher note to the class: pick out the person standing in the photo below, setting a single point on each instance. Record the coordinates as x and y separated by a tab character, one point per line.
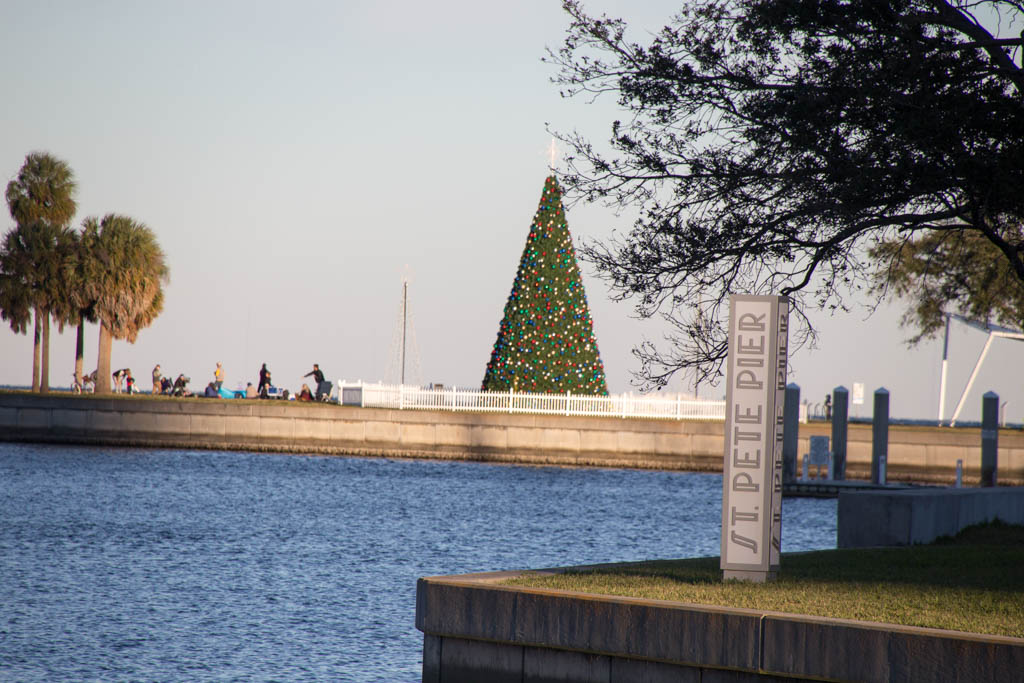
318	377
119	376
218	376
157	379
264	380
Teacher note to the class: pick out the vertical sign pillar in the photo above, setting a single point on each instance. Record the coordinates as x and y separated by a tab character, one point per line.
791	433
840	416
754	422
989	437
880	436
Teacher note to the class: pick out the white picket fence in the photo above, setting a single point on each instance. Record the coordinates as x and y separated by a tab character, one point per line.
401	397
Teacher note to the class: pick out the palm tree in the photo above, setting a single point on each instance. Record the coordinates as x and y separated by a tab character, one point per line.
43	191
15	306
124	275
34	259
73	306
41	202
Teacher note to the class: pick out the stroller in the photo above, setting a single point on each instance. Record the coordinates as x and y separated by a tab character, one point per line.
181	386
87	385
323	391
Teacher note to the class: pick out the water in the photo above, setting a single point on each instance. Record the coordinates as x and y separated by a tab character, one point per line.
162	565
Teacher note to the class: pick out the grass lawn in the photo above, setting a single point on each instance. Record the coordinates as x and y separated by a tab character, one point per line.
974	583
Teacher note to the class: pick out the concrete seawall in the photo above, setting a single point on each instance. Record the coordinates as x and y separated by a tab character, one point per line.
344	430
924	454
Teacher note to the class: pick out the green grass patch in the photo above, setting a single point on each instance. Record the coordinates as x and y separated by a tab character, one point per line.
973	583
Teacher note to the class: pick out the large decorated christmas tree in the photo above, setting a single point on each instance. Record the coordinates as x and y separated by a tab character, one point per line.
546	341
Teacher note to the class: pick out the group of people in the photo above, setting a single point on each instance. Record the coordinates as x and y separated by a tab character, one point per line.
264	389
164	385
124	382
323	389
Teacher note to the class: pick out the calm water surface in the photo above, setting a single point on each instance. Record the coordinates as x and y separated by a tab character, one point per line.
160	565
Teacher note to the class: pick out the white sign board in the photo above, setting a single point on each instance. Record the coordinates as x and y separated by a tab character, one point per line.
755	404
858	393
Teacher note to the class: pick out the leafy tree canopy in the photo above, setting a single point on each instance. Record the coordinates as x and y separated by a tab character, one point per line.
948	272
44	191
770	144
125	273
33	258
35	253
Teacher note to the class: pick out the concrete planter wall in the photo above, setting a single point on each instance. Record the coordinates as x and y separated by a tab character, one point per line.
877	518
477	631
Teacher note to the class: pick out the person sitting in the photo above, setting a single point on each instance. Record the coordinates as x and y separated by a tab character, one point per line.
305	394
165	385
211	391
250	391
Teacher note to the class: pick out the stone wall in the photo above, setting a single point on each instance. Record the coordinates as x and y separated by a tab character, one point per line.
475	630
923	454
877	518
334	429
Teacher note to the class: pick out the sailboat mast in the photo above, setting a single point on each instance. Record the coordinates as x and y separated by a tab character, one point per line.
405	298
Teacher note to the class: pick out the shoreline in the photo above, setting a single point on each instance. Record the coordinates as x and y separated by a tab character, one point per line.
921	455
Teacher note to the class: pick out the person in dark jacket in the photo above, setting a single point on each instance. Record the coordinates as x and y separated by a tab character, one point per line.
323	389
264	381
318	376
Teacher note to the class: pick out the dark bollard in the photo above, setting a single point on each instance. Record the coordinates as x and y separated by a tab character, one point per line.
989	437
840	414
880	436
790	432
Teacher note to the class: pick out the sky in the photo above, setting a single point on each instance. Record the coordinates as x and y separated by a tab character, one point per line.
298	161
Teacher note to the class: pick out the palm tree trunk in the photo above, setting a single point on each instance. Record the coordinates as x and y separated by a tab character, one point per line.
35	354
103	362
44	378
80	351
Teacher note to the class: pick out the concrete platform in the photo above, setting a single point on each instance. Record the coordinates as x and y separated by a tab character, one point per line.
829	488
890	518
475	630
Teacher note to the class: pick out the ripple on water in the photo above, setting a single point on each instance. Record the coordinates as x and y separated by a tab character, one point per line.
168	565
